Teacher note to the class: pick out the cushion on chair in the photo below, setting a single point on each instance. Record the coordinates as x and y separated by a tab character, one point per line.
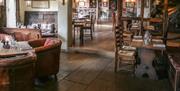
126	55
49	42
129	48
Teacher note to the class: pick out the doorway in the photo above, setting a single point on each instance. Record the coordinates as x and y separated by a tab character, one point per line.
98	11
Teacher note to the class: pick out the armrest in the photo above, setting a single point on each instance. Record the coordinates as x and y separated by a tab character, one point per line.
37	43
45	48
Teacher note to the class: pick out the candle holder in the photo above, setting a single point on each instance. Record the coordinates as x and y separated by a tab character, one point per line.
6	44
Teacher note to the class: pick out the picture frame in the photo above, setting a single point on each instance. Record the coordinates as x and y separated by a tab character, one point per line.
42	4
81	3
146	3
105	4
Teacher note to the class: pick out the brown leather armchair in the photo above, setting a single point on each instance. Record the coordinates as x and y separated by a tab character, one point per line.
17	73
48	56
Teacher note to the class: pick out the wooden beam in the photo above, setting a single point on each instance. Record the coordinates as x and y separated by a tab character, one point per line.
142	16
165	20
120	22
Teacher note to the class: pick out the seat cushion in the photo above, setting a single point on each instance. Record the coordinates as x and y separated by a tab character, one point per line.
129	48
126	55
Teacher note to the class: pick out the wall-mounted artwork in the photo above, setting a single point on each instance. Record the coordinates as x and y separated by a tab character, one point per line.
92	3
105	4
44	4
81	3
147	3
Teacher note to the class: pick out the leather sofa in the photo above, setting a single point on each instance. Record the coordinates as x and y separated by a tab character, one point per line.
3	36
22	34
17	73
48	56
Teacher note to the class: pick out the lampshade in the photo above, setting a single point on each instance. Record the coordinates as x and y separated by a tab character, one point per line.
62	2
28	3
1	2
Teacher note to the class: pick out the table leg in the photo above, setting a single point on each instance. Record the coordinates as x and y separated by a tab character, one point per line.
81	36
74	42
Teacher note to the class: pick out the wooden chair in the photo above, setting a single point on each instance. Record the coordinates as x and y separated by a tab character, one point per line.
89	26
77	25
127	37
123	54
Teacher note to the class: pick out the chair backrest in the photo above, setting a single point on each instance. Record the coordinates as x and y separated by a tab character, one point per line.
118	38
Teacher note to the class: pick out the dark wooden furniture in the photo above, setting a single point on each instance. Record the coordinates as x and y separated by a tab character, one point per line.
174	67
83	26
77	27
88	26
17	73
48	56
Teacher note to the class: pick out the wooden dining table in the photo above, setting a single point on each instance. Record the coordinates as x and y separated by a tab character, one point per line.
146	53
80	24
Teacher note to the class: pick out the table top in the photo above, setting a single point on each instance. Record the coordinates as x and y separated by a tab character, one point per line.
20	49
156	44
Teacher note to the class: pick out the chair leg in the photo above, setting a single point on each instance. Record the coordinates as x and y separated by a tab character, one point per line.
91	34
74	36
55	77
116	63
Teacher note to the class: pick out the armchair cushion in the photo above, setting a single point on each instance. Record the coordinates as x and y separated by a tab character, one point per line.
49	42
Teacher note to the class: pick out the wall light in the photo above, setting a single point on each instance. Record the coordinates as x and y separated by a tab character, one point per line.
63	2
105	1
1	2
130	0
28	3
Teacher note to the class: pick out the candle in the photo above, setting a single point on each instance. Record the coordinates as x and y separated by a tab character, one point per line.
7	38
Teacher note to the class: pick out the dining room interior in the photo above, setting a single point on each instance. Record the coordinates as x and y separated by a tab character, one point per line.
89	45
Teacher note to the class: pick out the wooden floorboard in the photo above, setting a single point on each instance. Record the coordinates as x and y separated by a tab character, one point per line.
89	71
70	86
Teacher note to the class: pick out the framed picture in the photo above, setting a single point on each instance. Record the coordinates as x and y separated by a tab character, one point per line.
146	3
81	3
105	4
40	4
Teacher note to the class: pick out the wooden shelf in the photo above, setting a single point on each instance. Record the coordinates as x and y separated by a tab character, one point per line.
157	20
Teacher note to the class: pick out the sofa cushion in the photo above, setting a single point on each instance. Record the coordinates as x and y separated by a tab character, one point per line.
5	36
49	42
20	36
